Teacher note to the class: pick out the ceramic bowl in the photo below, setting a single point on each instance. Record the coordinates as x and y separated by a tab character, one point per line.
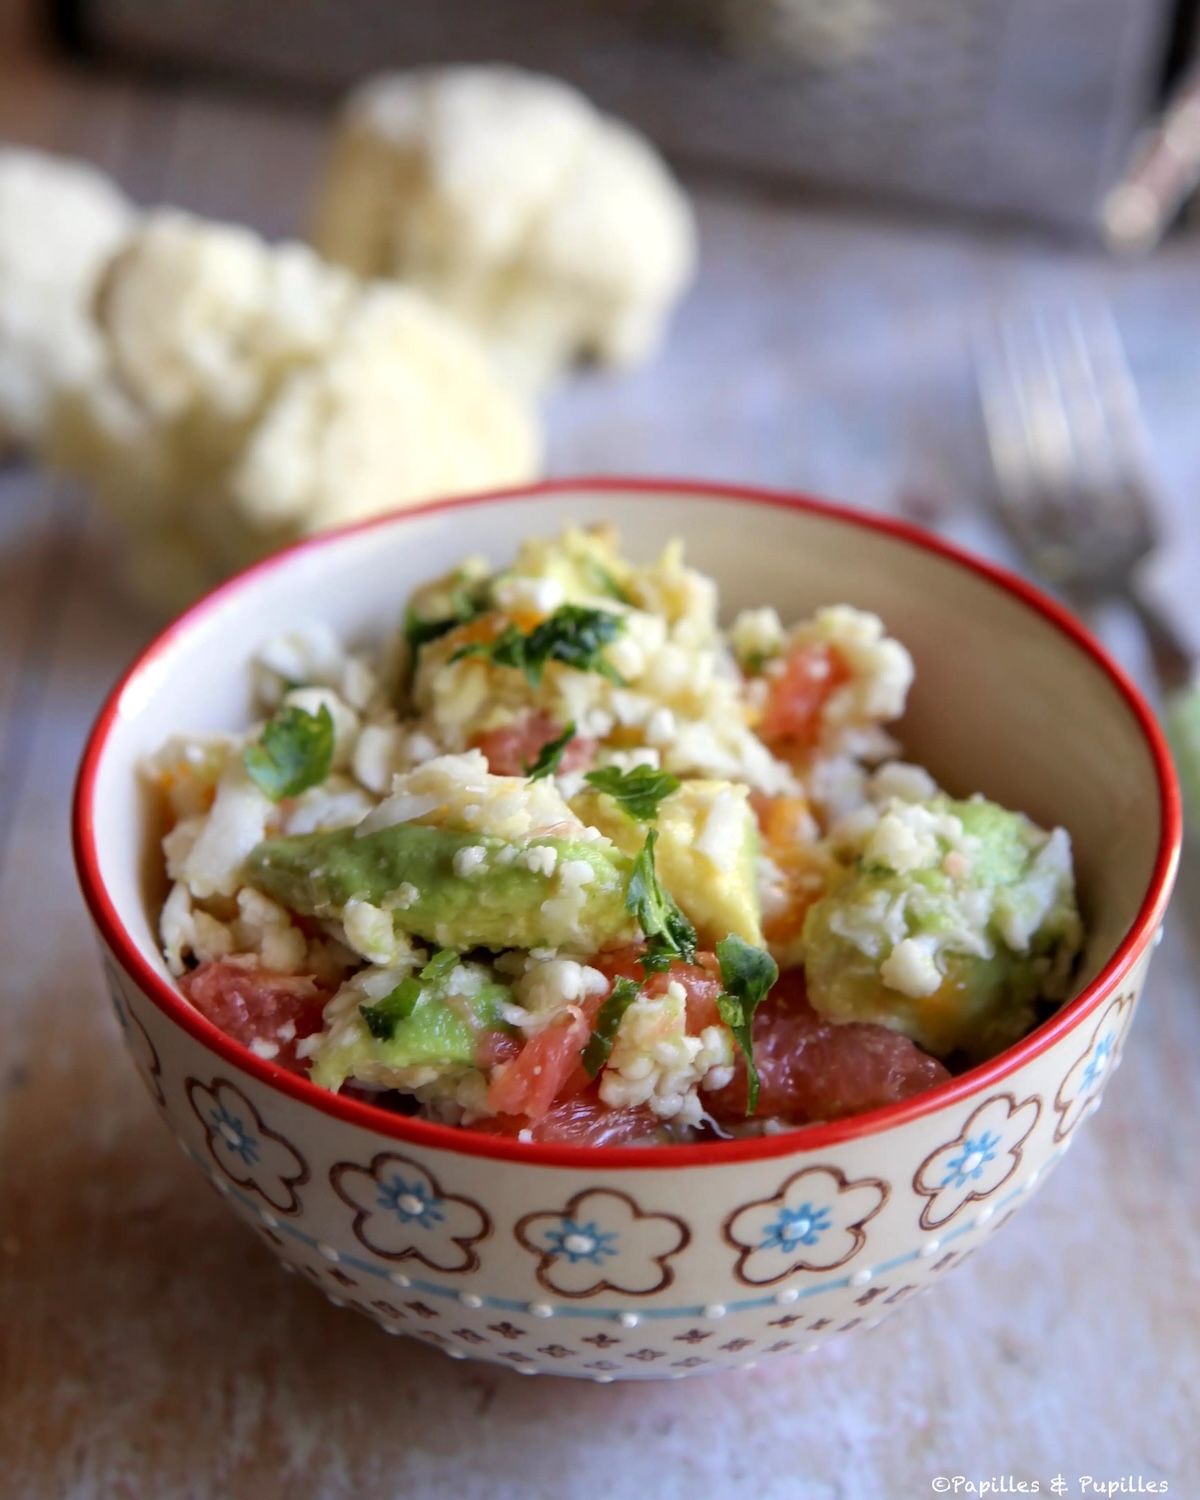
618	1263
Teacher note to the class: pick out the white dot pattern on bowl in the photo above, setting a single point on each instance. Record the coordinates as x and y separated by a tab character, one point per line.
592	1338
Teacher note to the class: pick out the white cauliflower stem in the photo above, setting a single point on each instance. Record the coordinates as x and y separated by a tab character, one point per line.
555	231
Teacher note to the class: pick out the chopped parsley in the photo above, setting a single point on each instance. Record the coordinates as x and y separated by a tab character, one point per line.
572	635
747	974
599	1044
385	1016
549	757
294	752
440	966
669	934
467	602
607	581
638	792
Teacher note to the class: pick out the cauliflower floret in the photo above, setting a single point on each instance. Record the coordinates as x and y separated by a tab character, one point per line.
371	932
548	985
756	636
459	792
881	673
224	838
264	927
555	231
187	930
248	394
202	318
654	1062
59	221
402	406
336	803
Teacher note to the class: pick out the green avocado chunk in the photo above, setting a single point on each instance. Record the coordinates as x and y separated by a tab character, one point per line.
957	919
498	902
419	1024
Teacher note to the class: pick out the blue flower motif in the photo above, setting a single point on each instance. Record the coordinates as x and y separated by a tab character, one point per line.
411	1202
581	1242
796	1226
1096	1064
234	1133
968	1165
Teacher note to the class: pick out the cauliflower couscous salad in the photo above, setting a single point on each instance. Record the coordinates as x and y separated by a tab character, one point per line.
565	861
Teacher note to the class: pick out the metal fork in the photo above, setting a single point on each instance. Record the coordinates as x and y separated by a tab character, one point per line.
1073	490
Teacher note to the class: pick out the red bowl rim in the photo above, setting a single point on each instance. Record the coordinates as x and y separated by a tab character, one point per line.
175	1007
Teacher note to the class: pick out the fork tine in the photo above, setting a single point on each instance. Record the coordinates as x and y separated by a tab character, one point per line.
1104	355
1040	401
1098	458
1065	435
1001	418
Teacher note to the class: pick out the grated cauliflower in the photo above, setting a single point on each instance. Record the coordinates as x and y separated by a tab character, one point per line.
59	221
249	394
556	232
525	901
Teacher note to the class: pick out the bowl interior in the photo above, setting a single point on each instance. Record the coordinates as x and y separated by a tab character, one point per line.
1006	702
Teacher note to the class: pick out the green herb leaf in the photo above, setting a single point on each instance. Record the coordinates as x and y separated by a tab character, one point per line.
549	757
294	752
572	635
638	792
440	966
383	1017
607	582
418	632
467	603
747	974
669	934
608	1019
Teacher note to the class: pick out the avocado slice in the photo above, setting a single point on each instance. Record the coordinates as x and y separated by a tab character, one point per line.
956	948
507	896
713	879
433	1020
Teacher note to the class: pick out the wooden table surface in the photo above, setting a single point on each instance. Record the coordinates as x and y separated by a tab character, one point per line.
148	1346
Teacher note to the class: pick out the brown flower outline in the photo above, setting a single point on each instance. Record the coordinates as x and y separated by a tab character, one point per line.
601	1241
1089	1072
978	1161
815	1222
401	1212
244	1147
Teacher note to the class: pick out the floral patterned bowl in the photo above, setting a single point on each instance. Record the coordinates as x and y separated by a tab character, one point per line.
640	1263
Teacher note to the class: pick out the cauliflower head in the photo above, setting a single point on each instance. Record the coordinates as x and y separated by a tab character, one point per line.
402	406
247	394
59	222
204	318
558	233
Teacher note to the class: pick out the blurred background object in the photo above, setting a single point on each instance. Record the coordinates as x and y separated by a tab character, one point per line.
1162	175
1008	106
1074	489
555	232
59	221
